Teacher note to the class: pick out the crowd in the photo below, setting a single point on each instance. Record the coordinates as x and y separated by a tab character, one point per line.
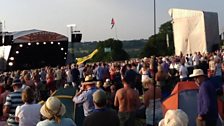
112	94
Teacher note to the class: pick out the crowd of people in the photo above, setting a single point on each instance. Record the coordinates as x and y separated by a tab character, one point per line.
112	94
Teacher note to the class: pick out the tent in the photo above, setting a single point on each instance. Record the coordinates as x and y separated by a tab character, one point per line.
184	96
65	95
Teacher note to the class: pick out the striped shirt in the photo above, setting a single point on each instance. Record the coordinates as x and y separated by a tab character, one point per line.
13	100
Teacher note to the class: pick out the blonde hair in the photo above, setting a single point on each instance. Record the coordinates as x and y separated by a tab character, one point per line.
147	81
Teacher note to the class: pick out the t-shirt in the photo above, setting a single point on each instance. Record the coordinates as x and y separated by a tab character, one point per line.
29	114
64	122
103	117
13	100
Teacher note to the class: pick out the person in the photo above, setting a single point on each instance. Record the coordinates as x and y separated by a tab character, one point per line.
101	116
175	118
84	95
144	71
132	75
3	95
127	99
29	113
207	99
160	79
53	110
12	101
149	102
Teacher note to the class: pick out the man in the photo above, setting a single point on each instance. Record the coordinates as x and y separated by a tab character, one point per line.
207	100
75	76
101	115
127	99
12	101
132	76
85	97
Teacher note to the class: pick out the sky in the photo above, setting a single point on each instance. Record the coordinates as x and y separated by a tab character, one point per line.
133	18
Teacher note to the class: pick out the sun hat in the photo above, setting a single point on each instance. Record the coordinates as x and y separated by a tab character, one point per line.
16	82
175	118
197	72
52	107
99	96
89	80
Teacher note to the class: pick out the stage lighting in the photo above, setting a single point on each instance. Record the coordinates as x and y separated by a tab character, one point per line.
52	42
10	63
64	57
62	49
44	43
38	43
17	52
65	53
29	43
59	43
11	58
20	45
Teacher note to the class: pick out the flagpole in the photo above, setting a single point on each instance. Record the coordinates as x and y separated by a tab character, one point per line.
116	32
154	89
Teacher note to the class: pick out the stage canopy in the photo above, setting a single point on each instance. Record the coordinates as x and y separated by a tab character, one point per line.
33	49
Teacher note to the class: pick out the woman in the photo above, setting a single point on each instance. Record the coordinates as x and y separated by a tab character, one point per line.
144	71
149	102
53	110
29	113
160	79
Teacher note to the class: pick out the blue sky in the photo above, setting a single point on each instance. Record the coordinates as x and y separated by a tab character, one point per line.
134	18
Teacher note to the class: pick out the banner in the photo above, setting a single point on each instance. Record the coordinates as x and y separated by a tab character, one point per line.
85	58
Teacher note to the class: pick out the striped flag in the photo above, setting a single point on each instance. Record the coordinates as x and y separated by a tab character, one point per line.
112	23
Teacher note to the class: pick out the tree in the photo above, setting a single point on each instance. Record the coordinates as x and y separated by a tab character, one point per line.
159	46
116	54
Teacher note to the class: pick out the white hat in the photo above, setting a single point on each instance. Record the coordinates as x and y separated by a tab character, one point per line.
52	107
175	118
197	72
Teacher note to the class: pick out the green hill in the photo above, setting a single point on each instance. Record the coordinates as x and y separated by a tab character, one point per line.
132	47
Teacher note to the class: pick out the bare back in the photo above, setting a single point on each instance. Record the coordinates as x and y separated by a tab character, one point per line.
127	99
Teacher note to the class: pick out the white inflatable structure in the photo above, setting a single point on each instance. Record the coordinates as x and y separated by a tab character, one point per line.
194	31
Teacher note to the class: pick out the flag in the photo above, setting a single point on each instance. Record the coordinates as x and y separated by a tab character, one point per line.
112	23
85	58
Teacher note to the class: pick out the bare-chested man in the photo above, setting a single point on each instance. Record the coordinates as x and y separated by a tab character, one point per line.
127	99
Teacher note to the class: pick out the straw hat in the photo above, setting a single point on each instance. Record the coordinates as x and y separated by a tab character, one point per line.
52	107
175	118
197	72
89	80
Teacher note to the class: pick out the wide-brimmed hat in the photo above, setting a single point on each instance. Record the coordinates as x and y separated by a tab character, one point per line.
52	107
175	118
106	84
16	82
197	72
89	80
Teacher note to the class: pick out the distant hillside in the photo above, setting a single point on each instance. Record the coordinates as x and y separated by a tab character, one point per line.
132	47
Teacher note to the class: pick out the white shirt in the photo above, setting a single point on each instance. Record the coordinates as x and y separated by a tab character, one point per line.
183	72
29	114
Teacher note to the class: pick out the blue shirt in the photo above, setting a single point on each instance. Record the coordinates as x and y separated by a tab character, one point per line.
207	101
64	122
87	99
